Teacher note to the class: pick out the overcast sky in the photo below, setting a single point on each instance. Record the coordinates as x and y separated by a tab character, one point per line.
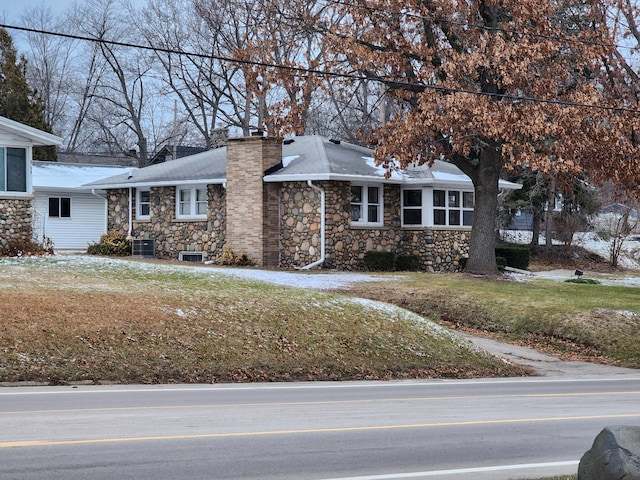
13	9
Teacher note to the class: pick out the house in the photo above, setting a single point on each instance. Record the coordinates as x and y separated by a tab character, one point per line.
173	152
299	203
65	213
16	146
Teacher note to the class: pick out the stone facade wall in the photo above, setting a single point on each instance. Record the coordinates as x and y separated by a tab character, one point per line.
439	250
299	225
297	241
172	235
15	220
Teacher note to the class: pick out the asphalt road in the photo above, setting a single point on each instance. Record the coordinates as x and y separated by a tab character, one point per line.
482	429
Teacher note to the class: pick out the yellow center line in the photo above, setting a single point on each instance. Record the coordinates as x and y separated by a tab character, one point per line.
318	402
47	443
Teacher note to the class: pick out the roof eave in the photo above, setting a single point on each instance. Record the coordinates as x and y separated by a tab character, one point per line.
163	183
38	137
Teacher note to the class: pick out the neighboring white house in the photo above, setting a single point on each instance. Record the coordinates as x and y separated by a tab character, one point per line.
64	212
16	145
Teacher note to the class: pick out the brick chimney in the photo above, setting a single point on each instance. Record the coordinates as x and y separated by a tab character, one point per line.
252	205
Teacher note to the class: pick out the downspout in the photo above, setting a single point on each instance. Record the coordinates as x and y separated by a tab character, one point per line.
130	214
322	227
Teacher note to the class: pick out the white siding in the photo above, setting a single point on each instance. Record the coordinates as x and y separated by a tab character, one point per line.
88	220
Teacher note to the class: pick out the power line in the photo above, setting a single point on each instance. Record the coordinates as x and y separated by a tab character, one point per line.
326	73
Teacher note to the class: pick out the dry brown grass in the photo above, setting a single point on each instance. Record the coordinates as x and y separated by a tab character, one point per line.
71	320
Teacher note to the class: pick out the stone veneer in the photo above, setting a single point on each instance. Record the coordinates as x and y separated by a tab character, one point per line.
15	220
172	235
439	250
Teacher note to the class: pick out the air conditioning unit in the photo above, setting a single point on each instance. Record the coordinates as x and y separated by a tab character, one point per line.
143	248
191	257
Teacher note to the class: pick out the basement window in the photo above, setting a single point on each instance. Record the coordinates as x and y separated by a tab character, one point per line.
197	257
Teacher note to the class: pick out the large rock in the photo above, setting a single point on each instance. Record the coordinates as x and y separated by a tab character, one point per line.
615	455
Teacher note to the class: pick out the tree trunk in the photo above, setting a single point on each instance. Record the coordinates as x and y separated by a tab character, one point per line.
548	216
536	223
485	176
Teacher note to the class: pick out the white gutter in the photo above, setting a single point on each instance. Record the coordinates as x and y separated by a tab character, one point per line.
93	192
322	227
130	214
163	183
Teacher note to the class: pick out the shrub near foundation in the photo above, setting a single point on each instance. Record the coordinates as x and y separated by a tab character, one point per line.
376	261
111	243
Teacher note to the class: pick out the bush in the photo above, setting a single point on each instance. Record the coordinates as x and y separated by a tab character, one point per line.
585	281
516	257
111	243
26	248
380	261
230	258
501	262
408	263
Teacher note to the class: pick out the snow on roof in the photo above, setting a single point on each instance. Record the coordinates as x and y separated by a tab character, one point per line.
53	175
304	158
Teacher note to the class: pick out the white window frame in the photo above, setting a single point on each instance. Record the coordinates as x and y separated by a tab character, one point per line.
4	171
59	200
456	201
365	203
422	207
192	202
140	203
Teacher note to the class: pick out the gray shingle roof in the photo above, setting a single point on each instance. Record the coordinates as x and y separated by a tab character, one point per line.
202	168
305	158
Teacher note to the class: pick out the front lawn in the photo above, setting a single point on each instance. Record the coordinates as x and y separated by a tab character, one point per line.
67	319
575	321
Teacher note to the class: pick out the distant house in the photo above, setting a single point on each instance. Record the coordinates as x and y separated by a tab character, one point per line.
98	159
64	212
16	144
301	203
173	152
619	209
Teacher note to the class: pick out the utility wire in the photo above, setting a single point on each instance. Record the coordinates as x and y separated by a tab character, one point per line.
326	73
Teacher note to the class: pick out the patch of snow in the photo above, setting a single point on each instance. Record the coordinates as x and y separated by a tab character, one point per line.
451	177
62	175
629	256
315	281
406	315
287	160
382	171
318	280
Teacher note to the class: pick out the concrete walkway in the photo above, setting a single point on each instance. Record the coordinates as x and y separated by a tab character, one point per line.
546	365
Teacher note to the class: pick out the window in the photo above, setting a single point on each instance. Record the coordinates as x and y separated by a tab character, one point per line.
13	170
143	204
453	208
447	208
366	205
412	207
60	207
191	202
